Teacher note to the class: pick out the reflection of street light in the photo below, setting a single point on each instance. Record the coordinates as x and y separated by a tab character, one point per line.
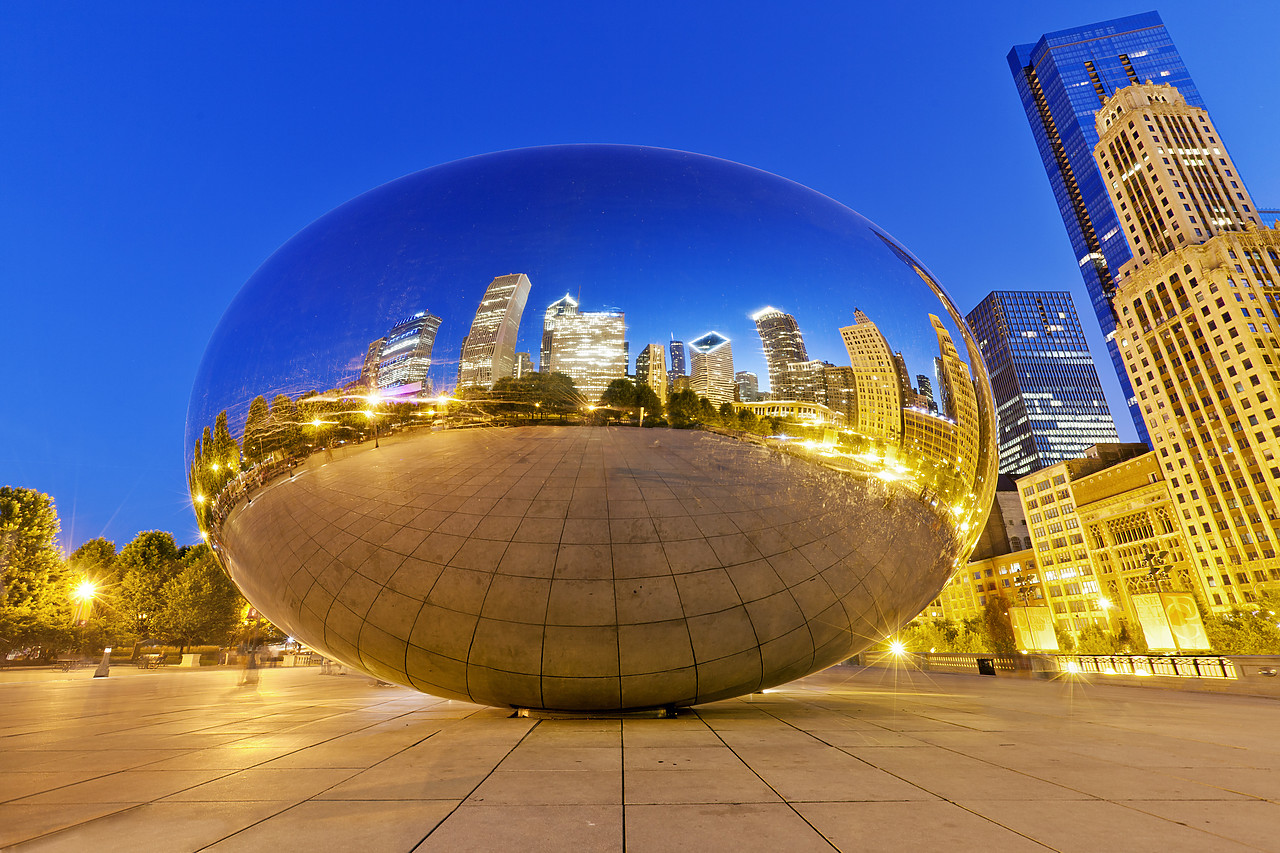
897	648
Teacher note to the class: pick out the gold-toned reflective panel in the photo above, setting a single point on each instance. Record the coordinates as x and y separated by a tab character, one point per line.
591	427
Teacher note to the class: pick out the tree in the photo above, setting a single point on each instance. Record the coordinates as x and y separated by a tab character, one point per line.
682	408
94	560
35	608
256	431
728	416
199	603
996	629
621	394
146	564
286	427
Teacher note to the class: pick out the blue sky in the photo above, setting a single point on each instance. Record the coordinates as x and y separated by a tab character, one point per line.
156	154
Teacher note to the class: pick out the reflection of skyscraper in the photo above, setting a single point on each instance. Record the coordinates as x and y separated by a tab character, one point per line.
405	356
841	389
523	365
589	348
402	357
563	307
875	374
748	386
678	365
802	381
1048	399
783	345
1062	80
713	368
651	369
369	370
925	387
489	351
962	402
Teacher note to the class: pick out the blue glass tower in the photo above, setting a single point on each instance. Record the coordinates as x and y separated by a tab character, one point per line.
1062	80
1049	402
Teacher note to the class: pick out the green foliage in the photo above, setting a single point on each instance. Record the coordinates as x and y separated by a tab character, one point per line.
94	560
995	628
145	565
631	396
682	409
940	635
1066	640
35	608
198	603
256	442
1249	630
1093	640
728	415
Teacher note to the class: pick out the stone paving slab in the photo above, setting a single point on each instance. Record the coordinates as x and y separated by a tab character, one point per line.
849	759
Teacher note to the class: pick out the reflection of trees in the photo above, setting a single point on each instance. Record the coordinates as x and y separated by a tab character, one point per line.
533	396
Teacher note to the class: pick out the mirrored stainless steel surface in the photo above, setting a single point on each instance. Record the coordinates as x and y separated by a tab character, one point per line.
591	427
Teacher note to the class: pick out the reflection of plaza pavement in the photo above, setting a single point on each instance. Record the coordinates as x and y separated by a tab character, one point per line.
584	567
849	759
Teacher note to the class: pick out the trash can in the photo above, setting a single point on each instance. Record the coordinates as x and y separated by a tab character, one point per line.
986	666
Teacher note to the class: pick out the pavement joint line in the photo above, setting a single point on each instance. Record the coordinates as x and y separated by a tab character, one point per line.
469	794
789	804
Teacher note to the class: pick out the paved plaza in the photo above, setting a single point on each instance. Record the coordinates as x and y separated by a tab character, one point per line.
849	759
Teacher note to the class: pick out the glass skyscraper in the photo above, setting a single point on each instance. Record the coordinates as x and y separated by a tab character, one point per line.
1049	402
1062	80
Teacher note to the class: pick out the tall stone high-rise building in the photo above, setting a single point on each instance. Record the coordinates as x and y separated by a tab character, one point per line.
651	369
712	377
877	388
962	407
1199	314
566	306
590	348
1062	80
748	386
489	350
1049	402
783	346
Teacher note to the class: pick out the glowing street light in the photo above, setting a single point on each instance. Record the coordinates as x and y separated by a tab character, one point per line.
897	648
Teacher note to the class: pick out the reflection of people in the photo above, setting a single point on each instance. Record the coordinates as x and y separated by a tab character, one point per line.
250	673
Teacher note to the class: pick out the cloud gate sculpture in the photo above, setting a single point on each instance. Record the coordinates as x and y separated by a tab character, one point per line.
591	427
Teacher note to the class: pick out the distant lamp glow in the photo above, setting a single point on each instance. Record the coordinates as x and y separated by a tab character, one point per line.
1105	603
1073	667
316	422
199	499
897	648
85	590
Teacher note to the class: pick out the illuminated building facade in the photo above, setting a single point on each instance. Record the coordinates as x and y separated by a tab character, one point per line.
405	356
962	400
840	386
804	412
679	364
876	386
1049	402
1062	79
783	346
803	380
489	350
523	365
712	377
924	387
1199	311
748	386
651	369
590	348
566	306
